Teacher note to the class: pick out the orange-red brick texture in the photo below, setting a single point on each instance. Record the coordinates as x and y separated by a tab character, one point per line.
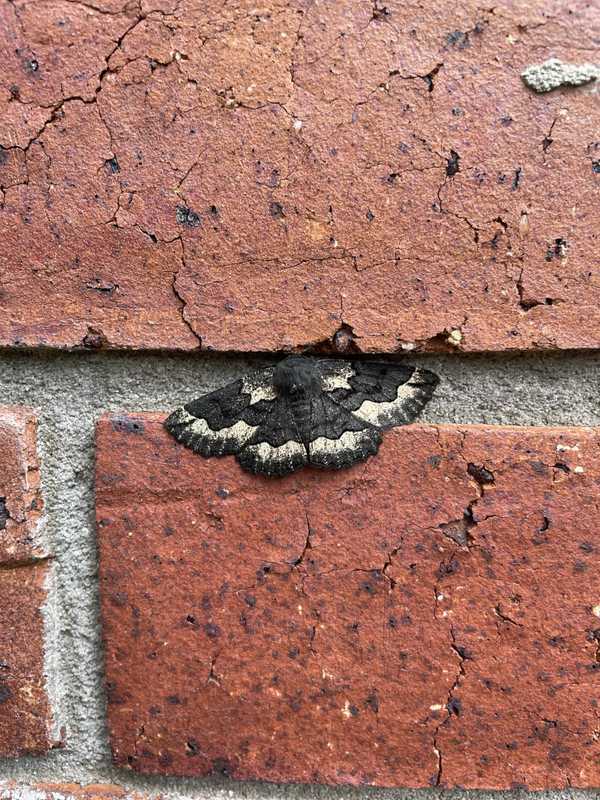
183	174
431	617
24	709
71	791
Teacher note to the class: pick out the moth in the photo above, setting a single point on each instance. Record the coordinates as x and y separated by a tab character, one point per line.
303	411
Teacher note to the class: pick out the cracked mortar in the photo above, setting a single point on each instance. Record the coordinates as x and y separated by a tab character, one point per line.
70	393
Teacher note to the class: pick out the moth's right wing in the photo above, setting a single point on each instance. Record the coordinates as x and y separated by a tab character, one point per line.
382	393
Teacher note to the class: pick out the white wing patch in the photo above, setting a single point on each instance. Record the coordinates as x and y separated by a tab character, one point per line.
238	434
329	452
286	455
338	380
383	413
258	388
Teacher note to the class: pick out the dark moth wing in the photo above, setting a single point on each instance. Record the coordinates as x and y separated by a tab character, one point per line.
220	423
276	447
338	438
275	434
378	392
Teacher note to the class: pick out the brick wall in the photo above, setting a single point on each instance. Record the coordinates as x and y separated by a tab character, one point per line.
348	178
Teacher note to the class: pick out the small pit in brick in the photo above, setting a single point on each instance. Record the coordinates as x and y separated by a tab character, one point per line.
344	340
186	216
558	249
480	474
112	165
518	177
191	747
4	515
31	65
453	165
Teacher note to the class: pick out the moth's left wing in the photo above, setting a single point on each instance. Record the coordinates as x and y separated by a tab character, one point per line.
220	423
380	393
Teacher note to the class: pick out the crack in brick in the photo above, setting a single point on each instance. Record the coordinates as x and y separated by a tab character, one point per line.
453	705
182	302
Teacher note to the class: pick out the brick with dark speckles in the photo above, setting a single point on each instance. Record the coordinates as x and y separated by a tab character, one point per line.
382	651
338	175
25	715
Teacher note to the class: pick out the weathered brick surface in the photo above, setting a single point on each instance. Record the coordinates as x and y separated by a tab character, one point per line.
68	791
24	710
260	178
23	701
429	617
21	502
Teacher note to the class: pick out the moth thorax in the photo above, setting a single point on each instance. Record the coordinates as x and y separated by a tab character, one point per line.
296	377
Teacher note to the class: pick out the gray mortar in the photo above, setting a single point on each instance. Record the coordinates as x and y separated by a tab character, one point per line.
554	73
70	392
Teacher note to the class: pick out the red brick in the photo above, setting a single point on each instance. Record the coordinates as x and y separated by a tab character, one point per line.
24	708
72	791
429	617
24	705
351	166
21	502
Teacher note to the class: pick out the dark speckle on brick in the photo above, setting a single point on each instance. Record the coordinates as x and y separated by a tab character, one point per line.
185	216
213	631
458	39
276	210
128	425
221	766
4	515
5	693
454	706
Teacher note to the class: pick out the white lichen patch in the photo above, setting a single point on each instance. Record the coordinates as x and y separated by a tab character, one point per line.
555	73
455	337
